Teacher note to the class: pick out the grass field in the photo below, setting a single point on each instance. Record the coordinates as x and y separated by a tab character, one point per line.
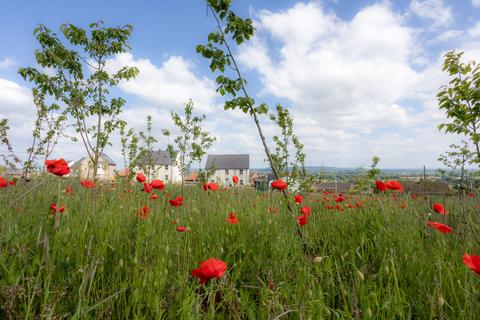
377	261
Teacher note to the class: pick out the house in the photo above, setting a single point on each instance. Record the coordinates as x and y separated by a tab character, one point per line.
159	165
228	165
83	168
339	187
192	177
426	187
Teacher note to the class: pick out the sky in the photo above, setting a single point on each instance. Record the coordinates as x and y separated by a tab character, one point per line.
360	77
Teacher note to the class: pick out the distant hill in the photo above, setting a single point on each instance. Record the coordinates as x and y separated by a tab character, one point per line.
354	171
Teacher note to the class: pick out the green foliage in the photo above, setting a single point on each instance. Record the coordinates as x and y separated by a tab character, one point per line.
146	149
192	143
365	178
461	99
457	159
79	81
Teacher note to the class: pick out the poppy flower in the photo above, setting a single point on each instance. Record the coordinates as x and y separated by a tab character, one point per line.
143	212
177	202
279	184
473	262
414	196
306	210
157	184
471	195
439	208
209	269
181	229
147	187
58	167
154	196
359	204
68	190
210	186
55	209
233	218
403	205
12	182
394	185
443	228
141	177
339	199
380	185
87	184
302	220
235	179
298	199
3	183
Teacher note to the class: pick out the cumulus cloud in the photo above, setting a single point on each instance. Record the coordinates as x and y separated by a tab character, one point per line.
476	3
435	12
167	86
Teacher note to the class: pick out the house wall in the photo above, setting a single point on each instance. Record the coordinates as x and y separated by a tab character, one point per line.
106	170
221	177
170	174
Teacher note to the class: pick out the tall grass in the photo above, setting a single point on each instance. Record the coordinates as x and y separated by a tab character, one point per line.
379	261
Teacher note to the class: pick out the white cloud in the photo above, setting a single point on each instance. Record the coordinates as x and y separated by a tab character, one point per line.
6	63
476	3
168	86
435	12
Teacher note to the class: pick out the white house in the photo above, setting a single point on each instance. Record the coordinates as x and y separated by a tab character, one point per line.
84	167
229	165
163	166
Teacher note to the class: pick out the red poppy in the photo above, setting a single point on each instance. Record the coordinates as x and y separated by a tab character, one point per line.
403	205
209	269
439	208
471	195
141	177
233	218
58	167
177	202
235	179
181	229
380	185
210	186
306	210
68	190
279	184
3	183
339	199
359	204
55	209
147	187
157	184
143	212
154	196
298	199
302	220
473	262
443	228
414	196
87	184
12	182
394	185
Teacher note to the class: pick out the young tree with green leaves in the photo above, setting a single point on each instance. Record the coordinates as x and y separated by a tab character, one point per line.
146	150
457	158
192	143
79	81
461	99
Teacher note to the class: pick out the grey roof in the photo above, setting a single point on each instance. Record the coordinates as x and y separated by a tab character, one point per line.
427	187
102	156
341	187
228	161
159	157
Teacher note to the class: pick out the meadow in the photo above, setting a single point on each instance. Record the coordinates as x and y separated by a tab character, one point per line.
366	257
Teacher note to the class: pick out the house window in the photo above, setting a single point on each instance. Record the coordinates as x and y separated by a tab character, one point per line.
241	172
226	171
166	177
166	167
241	182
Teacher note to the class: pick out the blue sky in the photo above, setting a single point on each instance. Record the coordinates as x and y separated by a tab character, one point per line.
360	77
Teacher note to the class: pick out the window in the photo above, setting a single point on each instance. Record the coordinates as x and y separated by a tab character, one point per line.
241	172
226	171
166	167
166	177
241	182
